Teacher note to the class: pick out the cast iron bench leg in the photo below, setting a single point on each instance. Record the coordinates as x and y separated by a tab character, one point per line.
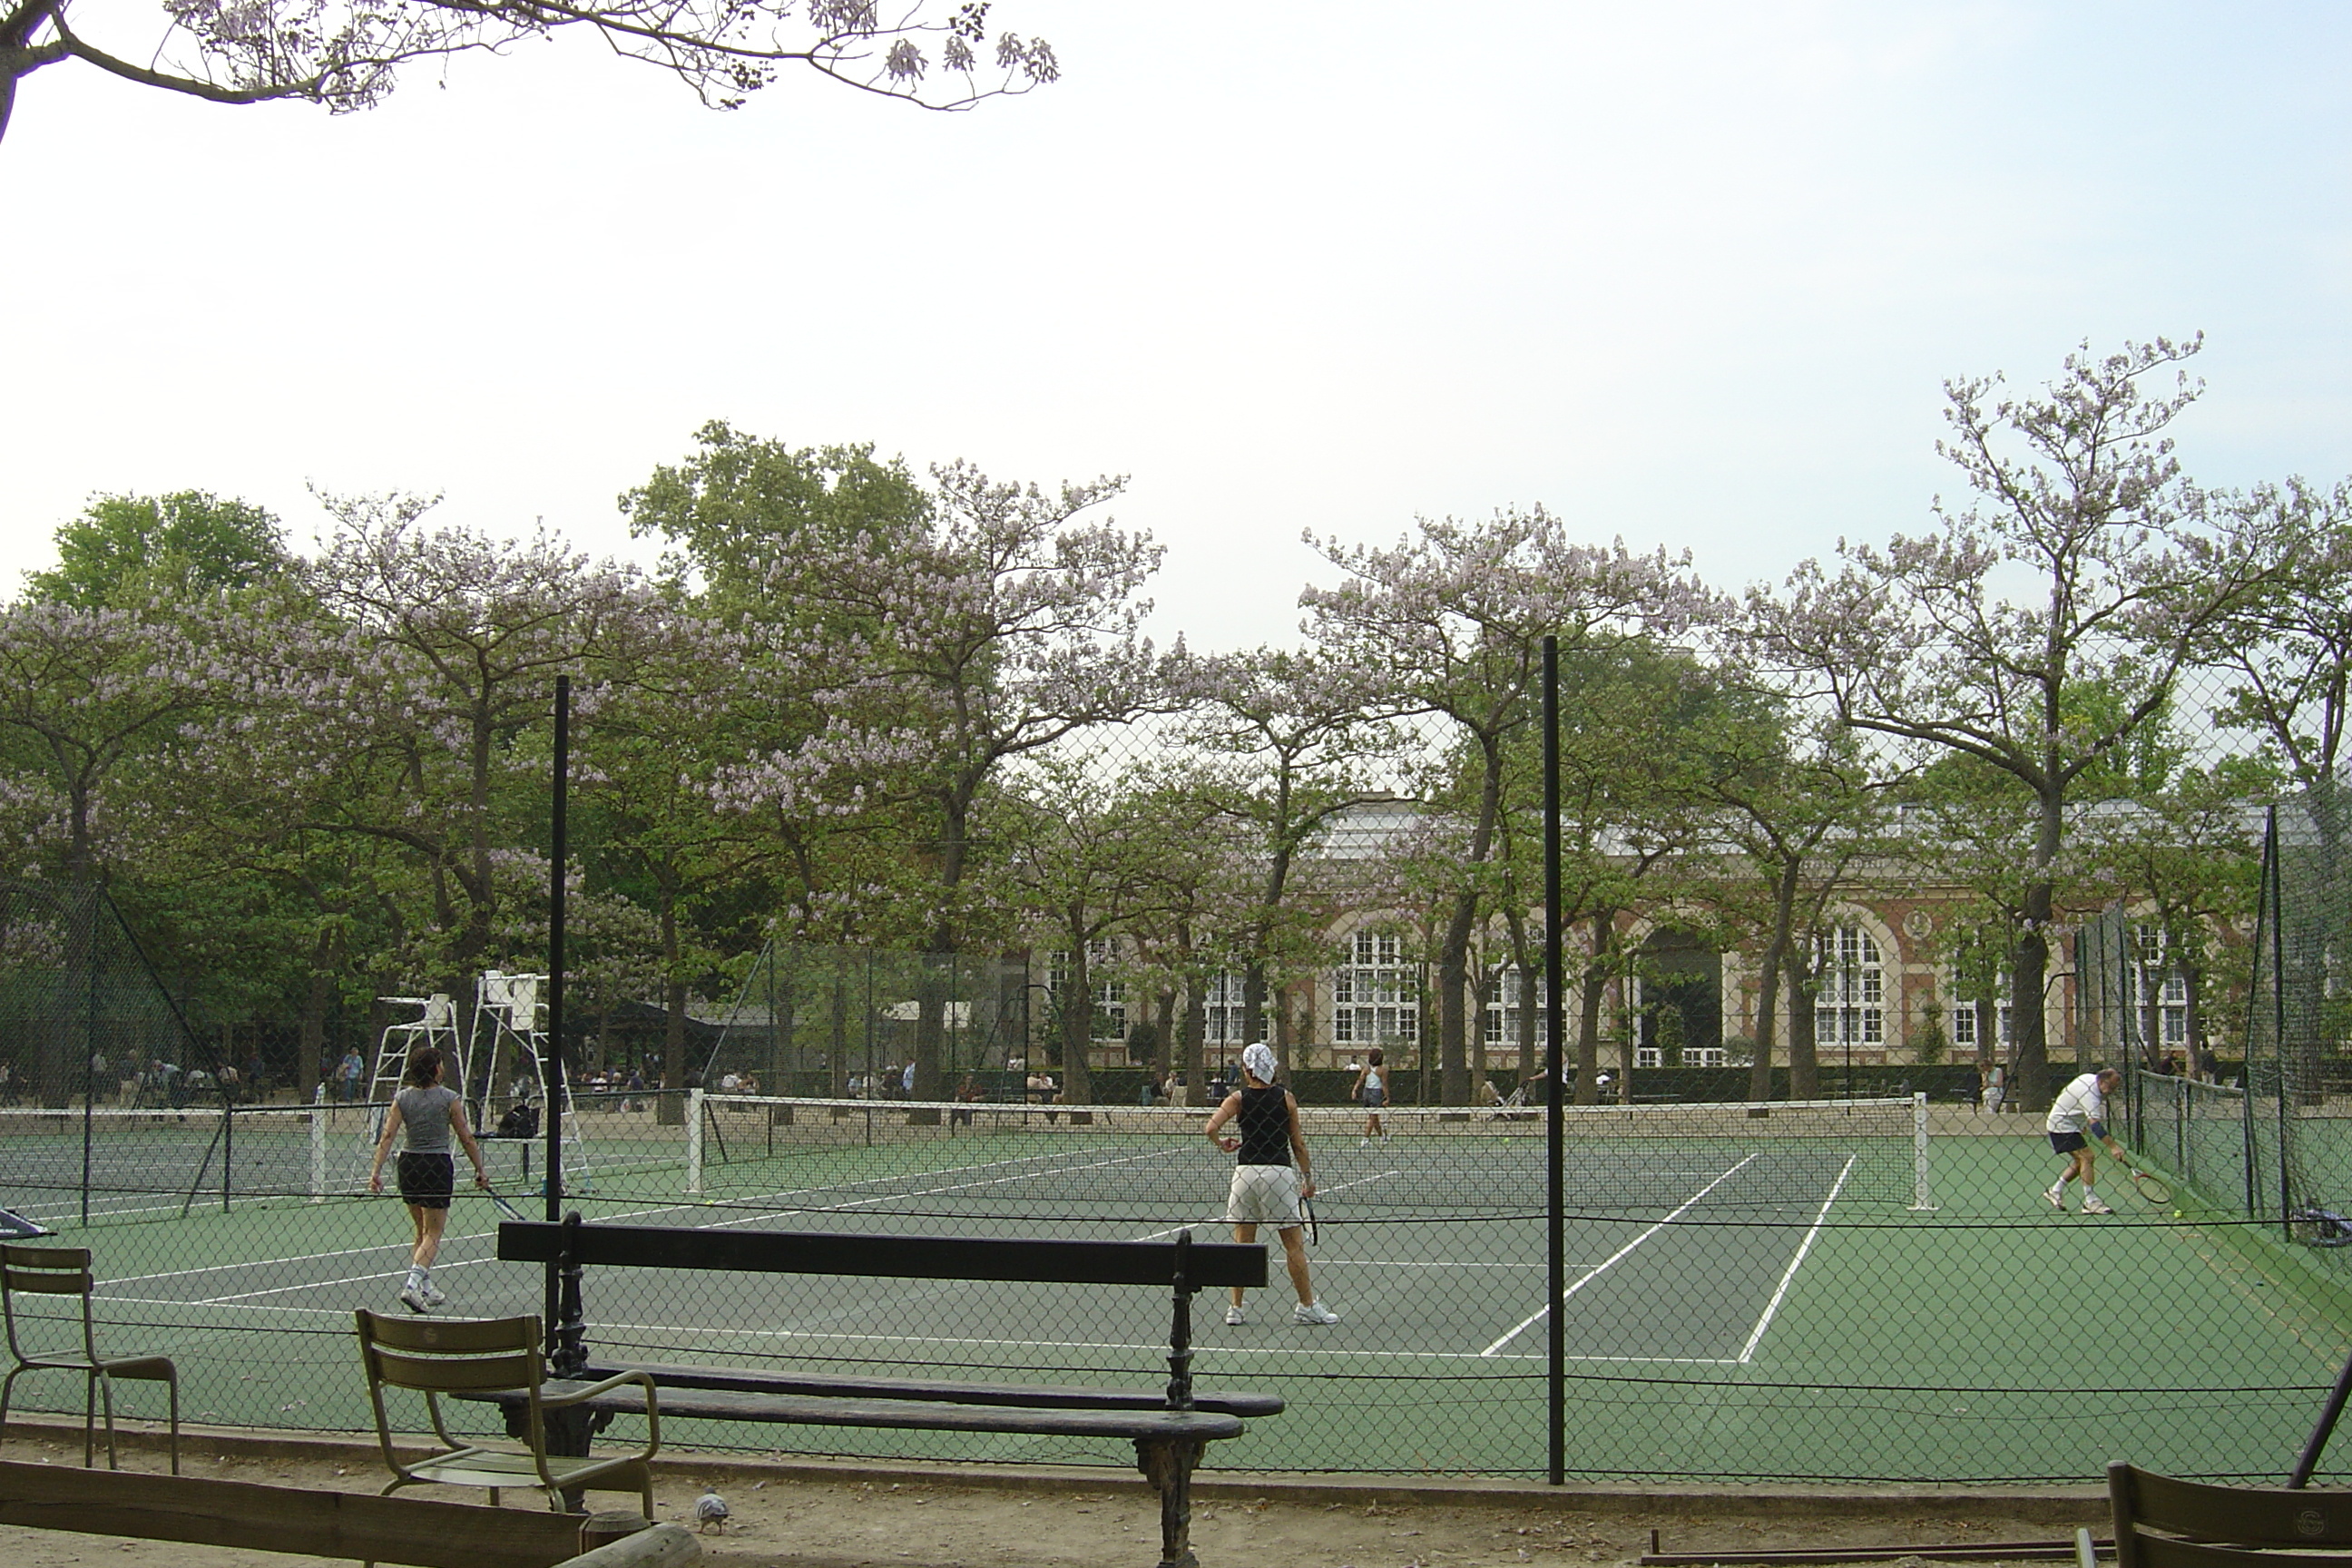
1169	1462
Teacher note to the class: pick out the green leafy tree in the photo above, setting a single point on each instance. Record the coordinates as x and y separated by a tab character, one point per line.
125	550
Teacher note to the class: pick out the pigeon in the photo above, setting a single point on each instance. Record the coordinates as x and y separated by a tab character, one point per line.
710	1513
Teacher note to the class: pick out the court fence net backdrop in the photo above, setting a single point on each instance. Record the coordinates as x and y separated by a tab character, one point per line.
1868	1287
1857	1291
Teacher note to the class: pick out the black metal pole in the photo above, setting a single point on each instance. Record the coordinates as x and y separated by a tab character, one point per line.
2329	1413
2278	1021
88	915
1555	1062
558	850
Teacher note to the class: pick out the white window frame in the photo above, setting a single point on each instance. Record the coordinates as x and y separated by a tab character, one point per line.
2171	991
1109	992
1223	1011
1376	997
1849	1001
1505	994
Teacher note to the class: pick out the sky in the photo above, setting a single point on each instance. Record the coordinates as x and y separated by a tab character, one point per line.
1689	274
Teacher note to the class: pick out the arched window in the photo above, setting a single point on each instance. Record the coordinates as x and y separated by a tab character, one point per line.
1850	1007
1222	1012
1109	1021
2158	973
1376	998
1509	990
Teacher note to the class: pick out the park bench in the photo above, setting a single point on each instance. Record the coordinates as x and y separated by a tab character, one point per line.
1171	1429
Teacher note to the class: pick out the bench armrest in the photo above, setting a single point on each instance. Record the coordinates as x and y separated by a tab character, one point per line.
644	1380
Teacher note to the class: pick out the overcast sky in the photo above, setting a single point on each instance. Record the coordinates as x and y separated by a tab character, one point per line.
1691	274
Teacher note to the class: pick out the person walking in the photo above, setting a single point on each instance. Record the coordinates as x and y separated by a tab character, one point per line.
1371	1091
1271	1176
431	1114
2077	1116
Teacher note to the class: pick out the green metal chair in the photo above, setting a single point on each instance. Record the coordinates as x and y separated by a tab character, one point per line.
66	1271
434	1357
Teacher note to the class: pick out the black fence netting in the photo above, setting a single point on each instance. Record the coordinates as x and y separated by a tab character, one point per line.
1853	1261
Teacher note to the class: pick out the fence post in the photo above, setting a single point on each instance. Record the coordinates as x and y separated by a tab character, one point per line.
694	1140
318	1120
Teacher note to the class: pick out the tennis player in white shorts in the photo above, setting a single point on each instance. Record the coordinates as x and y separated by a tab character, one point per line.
1272	1174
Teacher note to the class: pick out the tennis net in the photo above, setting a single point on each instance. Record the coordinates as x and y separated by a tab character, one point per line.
1152	1162
60	1163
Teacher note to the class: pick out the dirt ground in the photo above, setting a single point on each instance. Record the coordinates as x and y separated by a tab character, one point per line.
801	1514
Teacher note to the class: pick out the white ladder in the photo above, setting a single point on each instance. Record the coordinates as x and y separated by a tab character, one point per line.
510	1013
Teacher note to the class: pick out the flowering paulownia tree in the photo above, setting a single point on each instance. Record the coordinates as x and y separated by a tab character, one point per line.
2043	629
1452	623
347	54
400	715
1004	628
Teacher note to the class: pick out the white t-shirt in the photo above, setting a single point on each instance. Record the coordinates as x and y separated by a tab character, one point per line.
2078	1105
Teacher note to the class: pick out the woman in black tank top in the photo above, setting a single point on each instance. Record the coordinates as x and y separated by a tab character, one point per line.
1272	1174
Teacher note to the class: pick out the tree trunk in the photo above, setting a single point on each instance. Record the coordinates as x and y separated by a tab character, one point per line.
1804	1055
2029	963
1077	1024
1588	1007
1163	1031
1768	1020
1768	998
1196	1036
1453	996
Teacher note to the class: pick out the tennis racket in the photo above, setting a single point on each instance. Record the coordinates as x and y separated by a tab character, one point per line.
2151	1187
505	1207
1307	1211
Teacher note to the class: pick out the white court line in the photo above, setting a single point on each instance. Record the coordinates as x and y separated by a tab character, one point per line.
701	1209
241	1296
1620	1255
1790	1274
681	1334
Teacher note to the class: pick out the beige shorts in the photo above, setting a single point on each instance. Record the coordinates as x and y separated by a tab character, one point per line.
1263	1195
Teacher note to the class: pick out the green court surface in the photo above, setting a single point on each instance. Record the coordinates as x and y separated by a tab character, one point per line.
1738	1306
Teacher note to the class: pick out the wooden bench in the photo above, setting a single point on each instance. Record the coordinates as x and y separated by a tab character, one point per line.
1171	1429
251	1516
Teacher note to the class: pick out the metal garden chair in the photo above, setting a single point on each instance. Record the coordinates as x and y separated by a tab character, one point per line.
434	1356
66	1271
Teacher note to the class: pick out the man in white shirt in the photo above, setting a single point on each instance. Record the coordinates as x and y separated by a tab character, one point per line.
2076	1117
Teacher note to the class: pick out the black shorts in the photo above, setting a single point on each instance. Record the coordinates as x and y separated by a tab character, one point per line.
427	1181
2067	1142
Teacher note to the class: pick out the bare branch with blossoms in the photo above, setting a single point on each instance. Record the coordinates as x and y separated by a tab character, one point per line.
348	55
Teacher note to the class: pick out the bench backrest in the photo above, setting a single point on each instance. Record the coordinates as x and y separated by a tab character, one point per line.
1205	1264
2164	1522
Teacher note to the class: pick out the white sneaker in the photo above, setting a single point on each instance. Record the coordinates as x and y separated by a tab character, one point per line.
2056	1197
1363	1143
433	1295
413	1298
1313	1312
2096	1205
1234	1317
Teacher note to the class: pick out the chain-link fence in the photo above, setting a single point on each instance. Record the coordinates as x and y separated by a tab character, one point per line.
1837	1262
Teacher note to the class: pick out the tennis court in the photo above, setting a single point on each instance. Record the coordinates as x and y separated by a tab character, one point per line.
1746	1295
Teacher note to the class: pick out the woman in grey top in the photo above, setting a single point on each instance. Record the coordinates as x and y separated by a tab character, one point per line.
428	1176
